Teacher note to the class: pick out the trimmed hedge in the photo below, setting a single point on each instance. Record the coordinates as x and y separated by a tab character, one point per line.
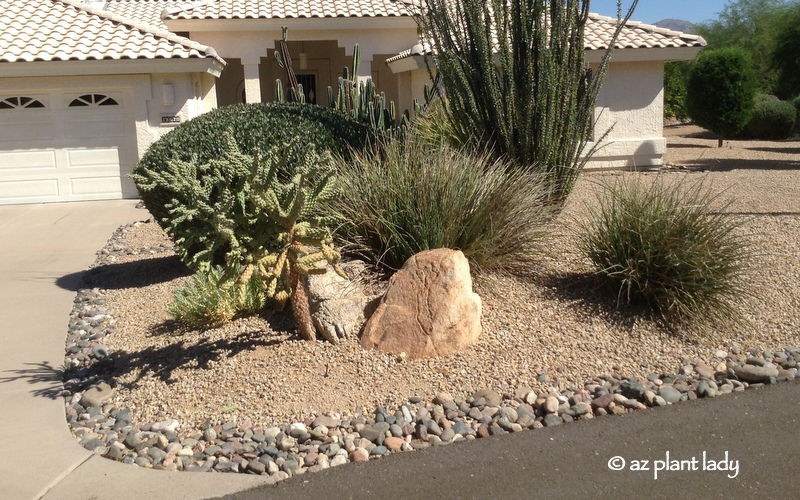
255	128
772	119
720	91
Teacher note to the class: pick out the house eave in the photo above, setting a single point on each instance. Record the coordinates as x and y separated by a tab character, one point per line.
415	62
109	67
664	54
410	63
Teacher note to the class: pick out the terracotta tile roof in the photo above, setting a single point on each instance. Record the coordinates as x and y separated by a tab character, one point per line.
635	35
598	32
145	11
66	30
281	9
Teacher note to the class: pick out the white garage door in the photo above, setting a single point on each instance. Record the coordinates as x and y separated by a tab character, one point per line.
59	146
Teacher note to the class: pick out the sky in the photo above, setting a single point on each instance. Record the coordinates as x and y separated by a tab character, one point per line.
652	11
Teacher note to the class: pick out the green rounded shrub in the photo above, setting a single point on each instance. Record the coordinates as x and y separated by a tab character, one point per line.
255	128
720	91
668	247
796	103
772	119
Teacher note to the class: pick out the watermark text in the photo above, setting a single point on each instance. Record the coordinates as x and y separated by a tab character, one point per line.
670	463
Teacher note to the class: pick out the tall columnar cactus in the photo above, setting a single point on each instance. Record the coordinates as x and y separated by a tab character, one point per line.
360	100
263	217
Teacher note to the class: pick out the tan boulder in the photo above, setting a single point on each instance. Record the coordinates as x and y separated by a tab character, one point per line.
429	308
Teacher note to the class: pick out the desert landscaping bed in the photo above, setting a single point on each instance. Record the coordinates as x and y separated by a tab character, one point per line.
546	333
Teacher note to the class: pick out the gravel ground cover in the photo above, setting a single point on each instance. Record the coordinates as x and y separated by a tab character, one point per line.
545	334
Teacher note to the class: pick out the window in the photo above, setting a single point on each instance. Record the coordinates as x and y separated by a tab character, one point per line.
93	100
20	103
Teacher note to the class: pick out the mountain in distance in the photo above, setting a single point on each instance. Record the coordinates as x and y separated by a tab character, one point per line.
676	25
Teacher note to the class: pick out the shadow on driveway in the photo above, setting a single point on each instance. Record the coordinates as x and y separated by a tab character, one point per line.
45	377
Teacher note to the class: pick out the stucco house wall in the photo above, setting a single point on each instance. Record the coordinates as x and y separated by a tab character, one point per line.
252	67
630	109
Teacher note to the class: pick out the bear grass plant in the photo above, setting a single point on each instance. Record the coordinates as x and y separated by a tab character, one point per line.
670	248
411	195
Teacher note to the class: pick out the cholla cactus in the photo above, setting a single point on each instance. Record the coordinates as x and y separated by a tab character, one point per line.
307	246
264	221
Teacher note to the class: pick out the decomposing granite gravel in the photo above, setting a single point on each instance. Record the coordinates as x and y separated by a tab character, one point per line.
251	397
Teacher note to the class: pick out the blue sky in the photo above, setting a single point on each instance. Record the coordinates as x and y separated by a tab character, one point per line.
651	11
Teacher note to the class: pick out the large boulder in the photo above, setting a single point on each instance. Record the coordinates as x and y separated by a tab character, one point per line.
338	306
429	308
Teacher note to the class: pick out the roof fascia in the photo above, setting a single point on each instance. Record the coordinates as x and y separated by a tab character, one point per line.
117	67
645	54
325	23
665	54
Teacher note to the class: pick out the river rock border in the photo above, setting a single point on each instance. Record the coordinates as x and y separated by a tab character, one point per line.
330	440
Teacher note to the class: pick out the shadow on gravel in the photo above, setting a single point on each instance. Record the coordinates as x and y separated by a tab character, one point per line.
138	274
584	291
161	362
725	165
785	151
703	134
688	146
47	379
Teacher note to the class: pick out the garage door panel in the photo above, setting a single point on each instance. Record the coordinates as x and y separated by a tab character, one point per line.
26	131
67	147
106	158
29	191
95	187
26	161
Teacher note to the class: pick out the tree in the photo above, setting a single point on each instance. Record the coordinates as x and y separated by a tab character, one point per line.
750	25
720	91
786	55
516	81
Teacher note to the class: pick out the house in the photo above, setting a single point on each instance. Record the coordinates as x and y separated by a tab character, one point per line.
86	87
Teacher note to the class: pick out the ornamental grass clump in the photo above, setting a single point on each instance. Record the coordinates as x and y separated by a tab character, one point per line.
210	299
671	248
410	195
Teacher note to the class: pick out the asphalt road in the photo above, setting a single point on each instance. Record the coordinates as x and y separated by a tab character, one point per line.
755	434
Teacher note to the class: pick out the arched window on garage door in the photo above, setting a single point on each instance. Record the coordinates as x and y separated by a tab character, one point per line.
93	100
20	103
